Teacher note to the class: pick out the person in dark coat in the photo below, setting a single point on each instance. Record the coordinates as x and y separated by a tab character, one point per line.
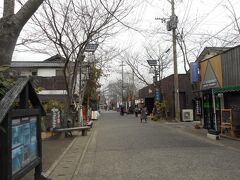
136	111
143	114
121	110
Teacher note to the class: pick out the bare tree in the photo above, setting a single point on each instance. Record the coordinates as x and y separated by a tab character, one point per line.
115	88
138	62
135	63
183	47
233	16
105	56
68	27
162	57
11	25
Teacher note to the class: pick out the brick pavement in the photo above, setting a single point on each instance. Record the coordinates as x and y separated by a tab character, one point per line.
68	164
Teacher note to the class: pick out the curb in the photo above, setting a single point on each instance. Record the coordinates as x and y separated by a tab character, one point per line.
54	165
83	155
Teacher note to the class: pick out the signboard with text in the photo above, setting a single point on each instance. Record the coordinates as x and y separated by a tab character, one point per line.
24	142
20	132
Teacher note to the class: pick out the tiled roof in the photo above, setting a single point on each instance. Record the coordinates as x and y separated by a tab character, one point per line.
37	64
56	61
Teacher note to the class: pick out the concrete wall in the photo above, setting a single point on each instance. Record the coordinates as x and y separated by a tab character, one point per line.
46	72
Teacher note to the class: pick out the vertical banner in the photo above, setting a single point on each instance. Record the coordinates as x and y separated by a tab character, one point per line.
198	107
157	95
194	72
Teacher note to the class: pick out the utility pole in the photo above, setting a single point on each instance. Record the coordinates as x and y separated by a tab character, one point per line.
122	82
133	89
172	26
173	22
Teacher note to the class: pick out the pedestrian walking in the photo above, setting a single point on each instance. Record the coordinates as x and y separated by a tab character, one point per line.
136	110
121	110
143	114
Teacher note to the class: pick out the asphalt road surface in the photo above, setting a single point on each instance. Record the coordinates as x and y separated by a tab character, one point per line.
122	148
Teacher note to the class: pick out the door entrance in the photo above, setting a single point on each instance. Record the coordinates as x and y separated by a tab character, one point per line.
149	103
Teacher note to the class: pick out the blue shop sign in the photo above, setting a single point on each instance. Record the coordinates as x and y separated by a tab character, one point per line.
194	72
157	95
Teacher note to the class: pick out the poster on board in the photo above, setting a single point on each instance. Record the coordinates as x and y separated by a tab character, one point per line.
24	142
33	140
17	138
17	159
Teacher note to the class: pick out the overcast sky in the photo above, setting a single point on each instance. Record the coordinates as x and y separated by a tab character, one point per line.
197	17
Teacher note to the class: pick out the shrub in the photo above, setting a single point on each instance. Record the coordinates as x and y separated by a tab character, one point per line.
53	104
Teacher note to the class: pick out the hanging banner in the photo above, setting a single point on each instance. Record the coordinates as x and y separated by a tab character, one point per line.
157	95
194	72
198	107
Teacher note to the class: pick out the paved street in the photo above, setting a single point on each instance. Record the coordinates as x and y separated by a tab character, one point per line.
122	148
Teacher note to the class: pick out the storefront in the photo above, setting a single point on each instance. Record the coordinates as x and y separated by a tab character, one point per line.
220	93
166	94
229	114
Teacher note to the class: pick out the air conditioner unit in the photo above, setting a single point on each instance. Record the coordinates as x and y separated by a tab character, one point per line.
187	115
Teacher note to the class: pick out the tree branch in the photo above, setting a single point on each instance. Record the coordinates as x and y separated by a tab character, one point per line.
8	8
27	10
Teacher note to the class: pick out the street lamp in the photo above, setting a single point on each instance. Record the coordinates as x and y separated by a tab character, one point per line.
154	63
89	48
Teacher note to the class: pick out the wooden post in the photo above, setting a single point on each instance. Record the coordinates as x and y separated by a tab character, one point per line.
38	169
4	150
24	97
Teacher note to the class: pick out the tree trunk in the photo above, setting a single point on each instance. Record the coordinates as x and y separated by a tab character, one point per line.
8	7
9	32
11	25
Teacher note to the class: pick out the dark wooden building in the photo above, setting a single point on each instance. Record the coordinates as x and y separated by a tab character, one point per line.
220	91
166	87
47	75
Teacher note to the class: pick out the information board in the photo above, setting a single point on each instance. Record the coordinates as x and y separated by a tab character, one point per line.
226	116
24	142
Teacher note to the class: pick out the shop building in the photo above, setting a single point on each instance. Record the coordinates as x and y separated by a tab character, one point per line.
166	88
220	92
207	53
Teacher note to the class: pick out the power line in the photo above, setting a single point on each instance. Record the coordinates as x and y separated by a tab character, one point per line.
221	30
198	24
211	11
186	13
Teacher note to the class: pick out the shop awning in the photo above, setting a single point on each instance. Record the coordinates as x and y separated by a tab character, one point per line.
226	89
